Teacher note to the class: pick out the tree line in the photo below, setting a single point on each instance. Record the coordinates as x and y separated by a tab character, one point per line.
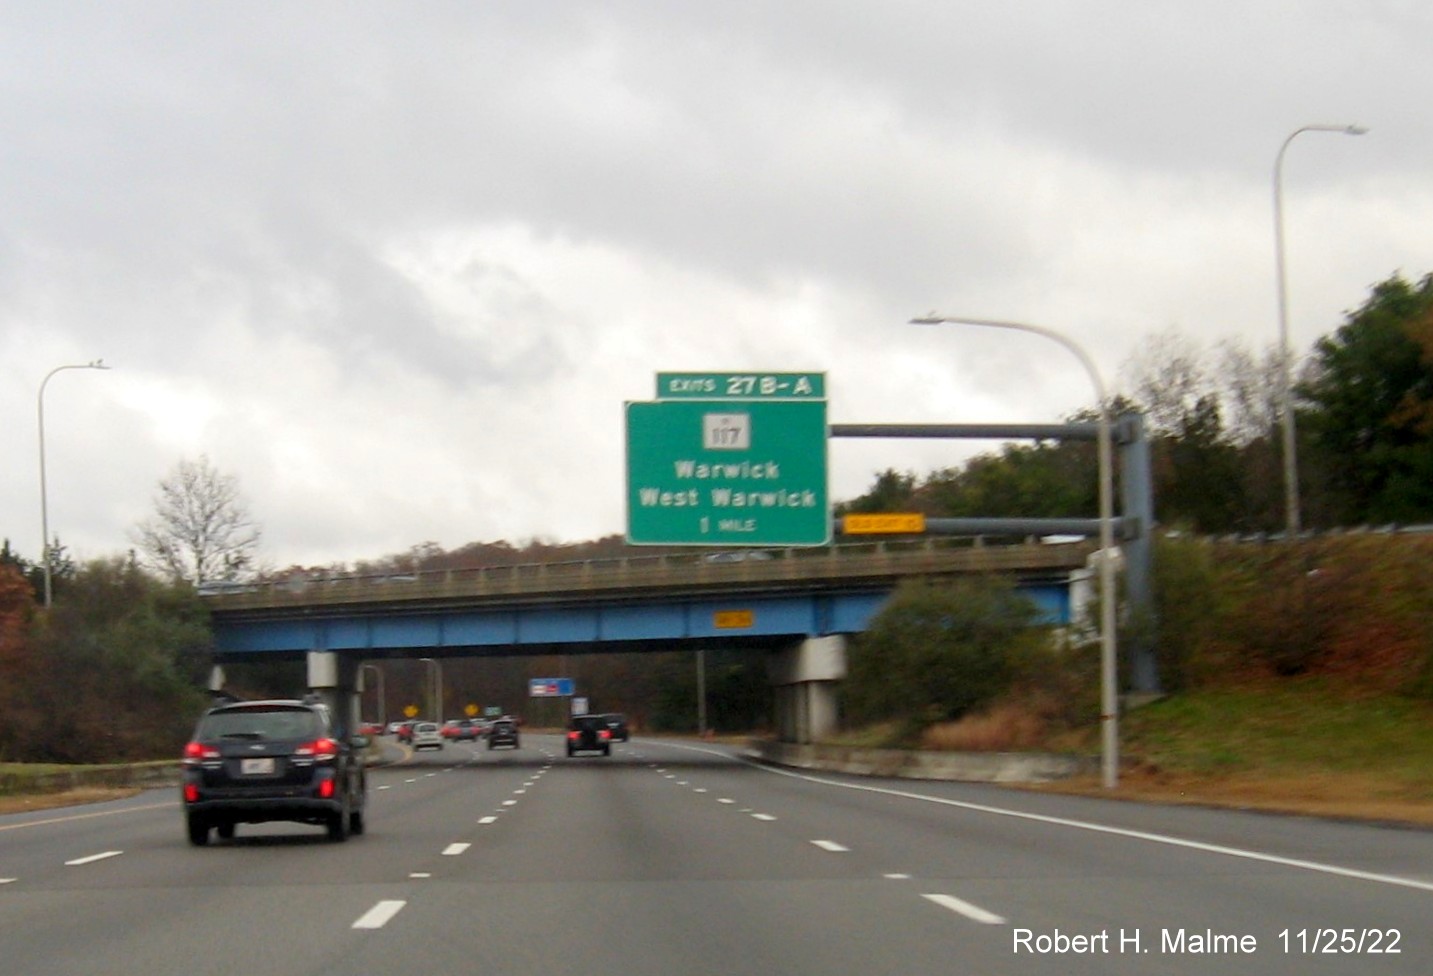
1363	407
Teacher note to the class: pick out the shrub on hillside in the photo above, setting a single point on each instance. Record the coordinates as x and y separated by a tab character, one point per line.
939	650
1191	594
1358	606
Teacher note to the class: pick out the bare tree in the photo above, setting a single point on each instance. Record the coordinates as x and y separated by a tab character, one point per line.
201	530
1170	379
1252	386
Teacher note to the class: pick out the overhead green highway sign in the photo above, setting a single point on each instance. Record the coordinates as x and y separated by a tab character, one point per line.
729	471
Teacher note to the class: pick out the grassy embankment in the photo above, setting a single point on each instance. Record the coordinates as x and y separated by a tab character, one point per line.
41	786
1304	746
1302	681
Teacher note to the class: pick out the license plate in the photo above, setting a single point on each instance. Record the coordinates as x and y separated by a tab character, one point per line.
257	767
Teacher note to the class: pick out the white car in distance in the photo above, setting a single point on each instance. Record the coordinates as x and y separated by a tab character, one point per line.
426	735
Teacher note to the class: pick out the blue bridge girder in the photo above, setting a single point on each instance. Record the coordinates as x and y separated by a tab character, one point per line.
764	598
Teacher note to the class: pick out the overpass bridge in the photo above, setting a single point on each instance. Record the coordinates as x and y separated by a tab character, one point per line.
797	605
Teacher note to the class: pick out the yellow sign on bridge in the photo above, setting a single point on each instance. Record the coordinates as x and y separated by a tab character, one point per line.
733	619
883	523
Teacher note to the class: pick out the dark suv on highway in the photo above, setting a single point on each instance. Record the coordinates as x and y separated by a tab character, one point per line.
617	725
503	732
589	733
253	762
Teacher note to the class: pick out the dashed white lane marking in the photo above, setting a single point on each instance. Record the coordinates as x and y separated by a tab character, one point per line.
831	845
92	858
488	820
518	792
762	816
8	880
379	915
1192	845
509	803
382	788
725	800
452	850
897	877
699	789
973	912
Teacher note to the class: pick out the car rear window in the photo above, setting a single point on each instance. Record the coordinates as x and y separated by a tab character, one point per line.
257	723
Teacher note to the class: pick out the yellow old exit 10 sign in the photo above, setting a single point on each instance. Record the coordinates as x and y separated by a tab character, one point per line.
883	523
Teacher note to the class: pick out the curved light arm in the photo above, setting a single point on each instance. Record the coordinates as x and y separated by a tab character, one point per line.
44	504
1109	694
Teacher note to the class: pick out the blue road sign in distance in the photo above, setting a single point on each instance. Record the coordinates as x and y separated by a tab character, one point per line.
549	688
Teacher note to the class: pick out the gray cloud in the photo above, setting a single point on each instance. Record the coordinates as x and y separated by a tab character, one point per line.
397	266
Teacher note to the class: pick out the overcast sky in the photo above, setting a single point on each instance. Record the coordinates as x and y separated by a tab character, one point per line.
397	266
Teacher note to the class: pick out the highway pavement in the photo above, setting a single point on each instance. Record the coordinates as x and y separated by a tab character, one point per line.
680	858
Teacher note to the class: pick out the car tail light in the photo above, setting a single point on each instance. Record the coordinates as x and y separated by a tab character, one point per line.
574	736
325	789
320	750
197	753
604	734
191	793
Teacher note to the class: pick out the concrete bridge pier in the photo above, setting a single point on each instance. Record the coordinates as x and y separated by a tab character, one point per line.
805	677
333	677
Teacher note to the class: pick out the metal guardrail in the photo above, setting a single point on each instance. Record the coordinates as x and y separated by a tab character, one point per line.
684	572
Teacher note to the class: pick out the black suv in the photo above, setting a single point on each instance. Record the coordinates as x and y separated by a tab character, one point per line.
589	733
617	725
252	762
503	733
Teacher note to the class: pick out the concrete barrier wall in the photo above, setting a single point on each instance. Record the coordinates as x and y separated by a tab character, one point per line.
144	775
973	767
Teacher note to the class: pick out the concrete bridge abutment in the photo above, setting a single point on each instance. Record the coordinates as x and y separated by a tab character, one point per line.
806	677
334	678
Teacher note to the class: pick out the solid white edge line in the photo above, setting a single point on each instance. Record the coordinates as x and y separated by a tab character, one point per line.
82	816
92	858
379	915
973	912
1193	845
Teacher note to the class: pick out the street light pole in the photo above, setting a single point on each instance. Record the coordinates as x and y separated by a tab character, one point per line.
1109	695
1286	381
436	682
382	698
44	498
